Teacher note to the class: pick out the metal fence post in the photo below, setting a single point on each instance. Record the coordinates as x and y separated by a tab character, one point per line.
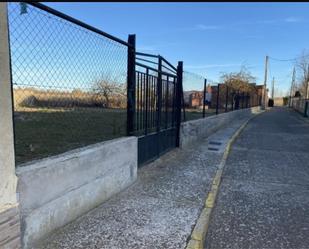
217	104
232	100
159	94
131	81
226	97
147	102
247	100
306	109
204	97
183	102
178	101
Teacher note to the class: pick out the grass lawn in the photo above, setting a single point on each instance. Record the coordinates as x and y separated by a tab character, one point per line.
192	114
44	132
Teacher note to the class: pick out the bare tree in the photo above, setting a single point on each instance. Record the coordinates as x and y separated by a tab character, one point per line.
239	81
111	90
302	65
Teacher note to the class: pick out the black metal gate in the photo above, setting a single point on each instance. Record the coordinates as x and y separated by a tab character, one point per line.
154	105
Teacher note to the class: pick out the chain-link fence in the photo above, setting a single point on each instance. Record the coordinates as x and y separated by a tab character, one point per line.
227	98
201	99
196	97
69	82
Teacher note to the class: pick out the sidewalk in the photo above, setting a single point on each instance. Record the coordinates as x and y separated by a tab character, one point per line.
263	202
159	210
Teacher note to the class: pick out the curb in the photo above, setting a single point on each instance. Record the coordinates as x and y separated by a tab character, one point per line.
198	235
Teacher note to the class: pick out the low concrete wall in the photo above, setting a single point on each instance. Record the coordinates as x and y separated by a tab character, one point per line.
194	130
299	105
57	190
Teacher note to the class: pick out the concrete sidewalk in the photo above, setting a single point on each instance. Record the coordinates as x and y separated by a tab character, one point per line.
263	202
159	210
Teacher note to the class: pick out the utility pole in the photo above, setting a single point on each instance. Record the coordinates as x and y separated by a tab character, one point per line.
292	87
265	84
273	88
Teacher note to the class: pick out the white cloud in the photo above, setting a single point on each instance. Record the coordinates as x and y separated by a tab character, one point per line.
206	27
292	19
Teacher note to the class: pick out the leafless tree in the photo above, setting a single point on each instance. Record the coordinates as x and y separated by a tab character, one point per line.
239	81
111	90
302	66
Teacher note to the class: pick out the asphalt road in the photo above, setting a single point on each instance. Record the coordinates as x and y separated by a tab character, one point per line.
264	196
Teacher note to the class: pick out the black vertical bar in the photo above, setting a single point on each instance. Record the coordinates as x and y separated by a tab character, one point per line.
232	100
174	101
306	109
141	101
246	99
155	83
159	94
226	97
144	101
217	105
182	101
131	81
166	103
242	102
204	97
146	98
151	102
179	96
137	102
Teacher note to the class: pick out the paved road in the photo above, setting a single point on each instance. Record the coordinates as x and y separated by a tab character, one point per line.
264	196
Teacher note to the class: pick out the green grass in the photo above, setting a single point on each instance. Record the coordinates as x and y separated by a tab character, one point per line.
40	132
192	114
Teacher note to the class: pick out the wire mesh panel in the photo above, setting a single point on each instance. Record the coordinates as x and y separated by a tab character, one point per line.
69	83
196	97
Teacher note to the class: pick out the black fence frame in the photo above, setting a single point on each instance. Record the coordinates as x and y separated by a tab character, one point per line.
147	115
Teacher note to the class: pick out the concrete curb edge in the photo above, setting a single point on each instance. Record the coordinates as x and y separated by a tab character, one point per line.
198	235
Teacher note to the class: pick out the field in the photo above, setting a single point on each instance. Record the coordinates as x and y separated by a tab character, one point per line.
192	114
43	132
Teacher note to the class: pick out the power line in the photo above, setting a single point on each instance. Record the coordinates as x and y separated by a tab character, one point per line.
293	59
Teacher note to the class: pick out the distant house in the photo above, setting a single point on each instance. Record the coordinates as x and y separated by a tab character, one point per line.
195	98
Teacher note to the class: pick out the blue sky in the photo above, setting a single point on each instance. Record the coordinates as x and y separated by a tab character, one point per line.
209	37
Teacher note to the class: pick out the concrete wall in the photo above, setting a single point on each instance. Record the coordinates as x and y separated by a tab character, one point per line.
8	178
9	213
194	130
57	190
299	104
